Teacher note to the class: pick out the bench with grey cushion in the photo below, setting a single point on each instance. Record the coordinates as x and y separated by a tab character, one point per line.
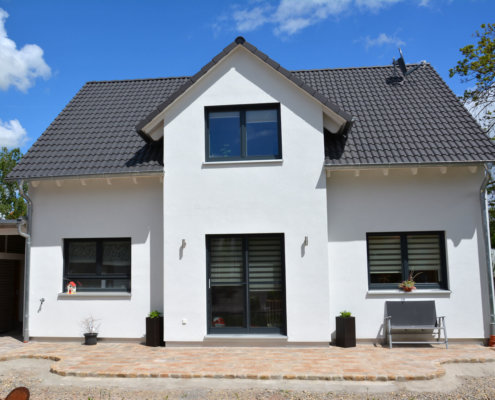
414	315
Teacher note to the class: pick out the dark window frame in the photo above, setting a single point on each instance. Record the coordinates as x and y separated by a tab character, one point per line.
242	108
443	284
248	330
99	258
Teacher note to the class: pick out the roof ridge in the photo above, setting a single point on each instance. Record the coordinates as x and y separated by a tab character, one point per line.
164	78
138	79
346	68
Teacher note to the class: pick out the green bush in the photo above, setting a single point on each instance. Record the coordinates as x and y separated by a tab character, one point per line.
155	314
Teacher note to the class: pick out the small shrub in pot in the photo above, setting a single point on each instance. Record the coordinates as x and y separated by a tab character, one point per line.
345	335
91	327
154	329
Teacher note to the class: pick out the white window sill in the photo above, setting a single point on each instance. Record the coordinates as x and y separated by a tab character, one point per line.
242	162
401	293
258	336
96	295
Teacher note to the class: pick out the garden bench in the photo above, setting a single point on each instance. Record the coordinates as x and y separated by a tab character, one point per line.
414	315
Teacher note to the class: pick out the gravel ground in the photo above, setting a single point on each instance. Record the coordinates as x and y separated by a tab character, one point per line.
480	384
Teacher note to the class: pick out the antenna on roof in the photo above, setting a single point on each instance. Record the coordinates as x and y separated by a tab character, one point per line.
401	63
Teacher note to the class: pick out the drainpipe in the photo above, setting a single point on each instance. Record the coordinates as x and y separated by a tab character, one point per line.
488	256
27	257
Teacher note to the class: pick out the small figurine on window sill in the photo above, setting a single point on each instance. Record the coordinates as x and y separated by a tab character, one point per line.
409	284
71	288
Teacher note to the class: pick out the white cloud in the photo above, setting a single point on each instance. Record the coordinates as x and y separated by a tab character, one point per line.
249	20
12	134
375	4
383	39
484	112
19	67
291	16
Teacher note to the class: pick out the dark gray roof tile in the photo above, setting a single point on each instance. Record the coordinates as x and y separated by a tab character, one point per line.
95	133
419	122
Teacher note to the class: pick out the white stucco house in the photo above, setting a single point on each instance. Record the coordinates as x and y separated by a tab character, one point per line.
249	203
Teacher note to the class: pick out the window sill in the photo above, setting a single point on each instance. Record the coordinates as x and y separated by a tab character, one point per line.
272	336
401	293
95	295
242	162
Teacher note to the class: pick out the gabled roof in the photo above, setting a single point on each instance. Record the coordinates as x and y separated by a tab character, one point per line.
420	122
95	133
241	42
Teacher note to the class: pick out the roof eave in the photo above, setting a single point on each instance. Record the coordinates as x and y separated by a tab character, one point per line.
88	176
336	167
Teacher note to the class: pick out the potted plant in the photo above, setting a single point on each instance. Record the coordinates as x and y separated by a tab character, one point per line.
345	330
154	329
91	327
408	285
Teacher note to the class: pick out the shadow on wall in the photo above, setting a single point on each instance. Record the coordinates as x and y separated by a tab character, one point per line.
400	202
97	210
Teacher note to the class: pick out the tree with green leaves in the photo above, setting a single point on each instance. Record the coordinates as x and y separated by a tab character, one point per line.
12	205
478	68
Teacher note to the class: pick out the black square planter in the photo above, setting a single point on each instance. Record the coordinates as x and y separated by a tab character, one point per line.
154	331
345	332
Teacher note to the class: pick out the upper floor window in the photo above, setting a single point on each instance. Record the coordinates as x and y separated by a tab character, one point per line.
250	132
98	264
392	257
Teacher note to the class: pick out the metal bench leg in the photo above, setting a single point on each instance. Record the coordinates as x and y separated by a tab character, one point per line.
445	333
389	333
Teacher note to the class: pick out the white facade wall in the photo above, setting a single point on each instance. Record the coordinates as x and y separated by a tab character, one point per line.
96	210
286	197
290	196
401	201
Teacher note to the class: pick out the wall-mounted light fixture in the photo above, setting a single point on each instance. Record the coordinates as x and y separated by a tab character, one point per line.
183	243
306	240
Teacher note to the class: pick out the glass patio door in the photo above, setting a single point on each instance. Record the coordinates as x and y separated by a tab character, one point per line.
246	290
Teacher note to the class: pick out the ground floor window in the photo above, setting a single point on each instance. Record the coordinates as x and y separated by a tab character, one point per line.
98	264
246	283
392	257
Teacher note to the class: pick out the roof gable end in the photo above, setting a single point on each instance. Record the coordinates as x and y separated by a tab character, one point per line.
240	41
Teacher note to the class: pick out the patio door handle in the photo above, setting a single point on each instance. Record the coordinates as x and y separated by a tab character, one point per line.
209	283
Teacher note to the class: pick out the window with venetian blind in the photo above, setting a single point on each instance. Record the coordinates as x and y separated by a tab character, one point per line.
246	289
97	265
392	257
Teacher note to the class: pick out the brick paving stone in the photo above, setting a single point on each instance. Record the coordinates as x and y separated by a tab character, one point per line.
364	362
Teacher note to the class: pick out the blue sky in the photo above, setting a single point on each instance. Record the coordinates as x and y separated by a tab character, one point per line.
49	49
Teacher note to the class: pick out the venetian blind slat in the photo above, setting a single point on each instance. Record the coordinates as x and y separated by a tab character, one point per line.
384	254
226	261
424	252
265	263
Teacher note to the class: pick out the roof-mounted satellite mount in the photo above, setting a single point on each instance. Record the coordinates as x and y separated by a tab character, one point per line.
400	62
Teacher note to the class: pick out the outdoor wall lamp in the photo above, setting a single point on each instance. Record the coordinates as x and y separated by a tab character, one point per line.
183	243
306	240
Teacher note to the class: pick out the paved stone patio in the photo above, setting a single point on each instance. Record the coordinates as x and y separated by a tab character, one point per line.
364	362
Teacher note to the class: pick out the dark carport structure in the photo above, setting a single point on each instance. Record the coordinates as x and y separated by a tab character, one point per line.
11	277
